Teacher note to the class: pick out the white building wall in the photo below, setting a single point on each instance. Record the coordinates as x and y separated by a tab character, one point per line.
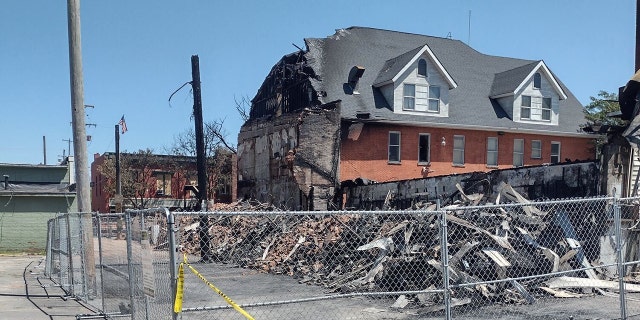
546	90
433	78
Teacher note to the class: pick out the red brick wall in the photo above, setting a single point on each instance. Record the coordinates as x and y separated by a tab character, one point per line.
367	157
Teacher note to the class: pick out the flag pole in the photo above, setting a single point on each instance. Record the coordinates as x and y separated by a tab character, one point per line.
118	197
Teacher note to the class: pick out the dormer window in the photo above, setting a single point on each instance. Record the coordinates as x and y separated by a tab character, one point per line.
434	98
422	67
409	97
537	80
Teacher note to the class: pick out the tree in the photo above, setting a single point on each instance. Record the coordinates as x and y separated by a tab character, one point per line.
598	119
597	111
136	176
218	154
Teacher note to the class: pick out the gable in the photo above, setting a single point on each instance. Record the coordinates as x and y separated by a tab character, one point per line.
512	81
395	68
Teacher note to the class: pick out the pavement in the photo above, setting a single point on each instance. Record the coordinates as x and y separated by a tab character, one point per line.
26	293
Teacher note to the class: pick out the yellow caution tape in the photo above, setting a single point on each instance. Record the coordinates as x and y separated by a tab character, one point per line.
177	307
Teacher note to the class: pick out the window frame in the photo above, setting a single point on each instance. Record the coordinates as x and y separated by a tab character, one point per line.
546	110
437	100
537	80
405	96
458	150
390	146
492	152
422	64
518	154
427	153
525	107
536	153
552	155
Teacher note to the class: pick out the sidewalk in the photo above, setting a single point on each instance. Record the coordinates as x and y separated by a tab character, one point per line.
26	293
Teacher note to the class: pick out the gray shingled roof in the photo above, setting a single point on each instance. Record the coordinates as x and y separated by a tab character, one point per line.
508	81
470	106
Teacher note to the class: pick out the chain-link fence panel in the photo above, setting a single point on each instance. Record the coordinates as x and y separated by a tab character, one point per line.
112	264
311	265
630	254
532	260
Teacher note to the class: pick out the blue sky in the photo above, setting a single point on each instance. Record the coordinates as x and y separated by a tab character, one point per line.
136	53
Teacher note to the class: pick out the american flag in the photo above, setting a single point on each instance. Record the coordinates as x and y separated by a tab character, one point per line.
123	124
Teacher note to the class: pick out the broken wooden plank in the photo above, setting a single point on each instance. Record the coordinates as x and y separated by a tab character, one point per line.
503	242
573	282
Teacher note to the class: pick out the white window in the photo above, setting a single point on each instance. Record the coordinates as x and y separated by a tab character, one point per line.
546	109
458	150
555	152
409	97
536	149
525	107
535	108
518	152
424	148
394	147
537	80
492	151
422	68
434	98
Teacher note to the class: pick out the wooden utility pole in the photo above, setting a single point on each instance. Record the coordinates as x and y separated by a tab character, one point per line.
83	194
203	229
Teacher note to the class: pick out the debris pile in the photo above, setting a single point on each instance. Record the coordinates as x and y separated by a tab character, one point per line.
401	250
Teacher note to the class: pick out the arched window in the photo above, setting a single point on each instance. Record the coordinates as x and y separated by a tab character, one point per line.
422	67
537	79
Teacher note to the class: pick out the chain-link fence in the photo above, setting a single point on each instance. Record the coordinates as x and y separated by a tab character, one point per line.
525	260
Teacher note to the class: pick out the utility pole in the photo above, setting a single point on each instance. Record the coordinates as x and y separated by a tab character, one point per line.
118	197
203	228
83	193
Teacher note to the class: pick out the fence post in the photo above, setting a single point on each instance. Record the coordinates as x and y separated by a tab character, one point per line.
621	270
444	251
172	258
127	219
70	272
100	261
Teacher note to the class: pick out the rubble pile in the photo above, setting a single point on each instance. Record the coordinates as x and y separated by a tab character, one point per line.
401	251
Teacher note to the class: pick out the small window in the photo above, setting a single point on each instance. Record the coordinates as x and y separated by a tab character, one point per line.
394	147
424	145
546	109
518	152
434	98
536	149
492	151
422	67
555	152
409	97
537	80
163	184
458	150
525	109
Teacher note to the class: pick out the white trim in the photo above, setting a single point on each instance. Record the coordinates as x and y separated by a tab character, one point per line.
440	68
542	66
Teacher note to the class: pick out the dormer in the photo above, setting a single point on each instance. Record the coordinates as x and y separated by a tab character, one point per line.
416	83
529	94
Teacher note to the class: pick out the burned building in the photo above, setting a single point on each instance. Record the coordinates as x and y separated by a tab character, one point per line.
383	105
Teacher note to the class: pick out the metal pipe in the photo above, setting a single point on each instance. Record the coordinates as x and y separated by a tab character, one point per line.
129	261
444	251
173	273
621	270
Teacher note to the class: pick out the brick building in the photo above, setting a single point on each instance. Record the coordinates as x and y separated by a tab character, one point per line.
151	180
384	105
